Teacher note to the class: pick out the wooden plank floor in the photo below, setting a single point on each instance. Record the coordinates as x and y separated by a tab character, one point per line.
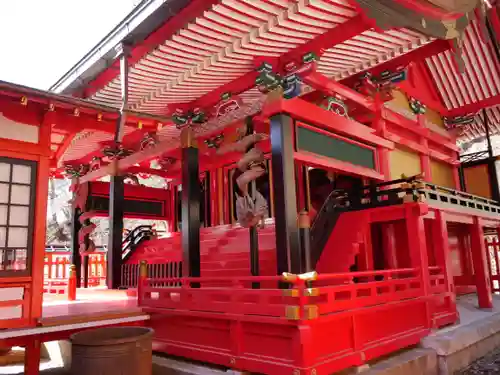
91	305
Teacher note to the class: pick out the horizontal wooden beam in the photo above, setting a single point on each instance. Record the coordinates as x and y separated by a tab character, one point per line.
475	107
128	162
314	115
327	40
335	164
322	83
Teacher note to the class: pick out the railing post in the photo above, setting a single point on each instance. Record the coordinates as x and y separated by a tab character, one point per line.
72	283
305	240
141	283
417	247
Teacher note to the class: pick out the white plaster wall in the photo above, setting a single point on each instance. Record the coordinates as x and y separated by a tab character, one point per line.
17	131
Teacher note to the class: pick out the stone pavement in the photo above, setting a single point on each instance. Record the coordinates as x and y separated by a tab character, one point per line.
488	365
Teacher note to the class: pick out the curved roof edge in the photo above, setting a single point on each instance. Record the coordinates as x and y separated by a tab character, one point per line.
144	19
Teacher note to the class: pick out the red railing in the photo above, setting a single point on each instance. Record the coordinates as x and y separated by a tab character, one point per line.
437	280
130	273
57	271
492	252
363	289
328	293
237	298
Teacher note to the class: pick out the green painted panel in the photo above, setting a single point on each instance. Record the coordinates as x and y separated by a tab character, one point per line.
335	148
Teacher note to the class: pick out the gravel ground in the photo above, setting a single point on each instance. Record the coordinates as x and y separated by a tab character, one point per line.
488	365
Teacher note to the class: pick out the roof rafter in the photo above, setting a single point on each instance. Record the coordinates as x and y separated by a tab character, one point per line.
475	107
327	40
193	10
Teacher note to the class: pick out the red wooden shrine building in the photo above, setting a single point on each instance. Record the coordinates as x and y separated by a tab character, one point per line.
366	91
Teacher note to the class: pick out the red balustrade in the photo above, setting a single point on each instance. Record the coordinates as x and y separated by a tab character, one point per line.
333	320
57	271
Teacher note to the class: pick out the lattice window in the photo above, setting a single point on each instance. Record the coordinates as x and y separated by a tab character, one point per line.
17	201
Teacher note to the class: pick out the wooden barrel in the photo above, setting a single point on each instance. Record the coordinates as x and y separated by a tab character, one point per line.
113	350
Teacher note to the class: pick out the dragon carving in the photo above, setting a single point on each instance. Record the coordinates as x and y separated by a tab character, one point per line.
86	244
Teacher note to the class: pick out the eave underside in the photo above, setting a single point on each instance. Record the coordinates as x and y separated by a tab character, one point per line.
225	43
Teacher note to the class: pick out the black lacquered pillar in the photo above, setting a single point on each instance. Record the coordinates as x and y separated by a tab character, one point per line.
288	257
75	245
115	238
190	206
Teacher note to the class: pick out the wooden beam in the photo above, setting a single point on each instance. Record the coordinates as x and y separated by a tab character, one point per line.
311	114
322	83
124	164
327	40
475	107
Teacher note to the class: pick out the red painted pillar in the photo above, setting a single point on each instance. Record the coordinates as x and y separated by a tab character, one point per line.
480	263
214	201
417	247
425	160
366	261
389	246
441	241
32	358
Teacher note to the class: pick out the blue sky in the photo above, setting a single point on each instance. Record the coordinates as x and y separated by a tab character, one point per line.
41	39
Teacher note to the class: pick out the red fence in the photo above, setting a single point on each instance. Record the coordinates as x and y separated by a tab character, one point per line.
492	252
334	320
130	273
57	270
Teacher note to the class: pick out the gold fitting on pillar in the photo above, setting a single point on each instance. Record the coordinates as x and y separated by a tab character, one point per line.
143	268
289	277
304	220
24	100
292	312
115	171
72	269
311	292
291	292
311	312
309	276
187	138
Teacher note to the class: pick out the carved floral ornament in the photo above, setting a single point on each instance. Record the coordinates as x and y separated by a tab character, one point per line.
416	106
458	122
382	84
76	170
289	81
336	105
